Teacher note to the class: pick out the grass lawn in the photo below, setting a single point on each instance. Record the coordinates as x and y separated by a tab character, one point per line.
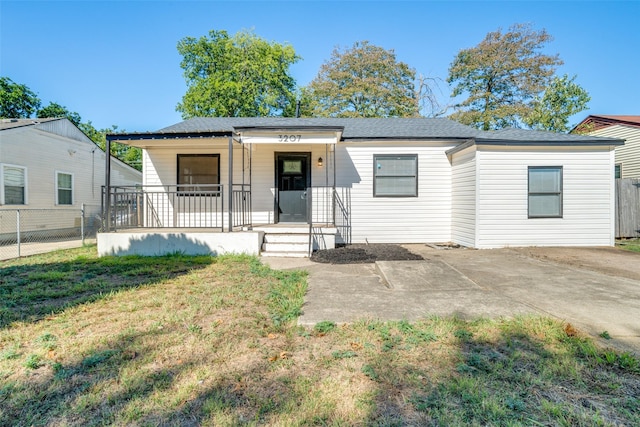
630	245
213	341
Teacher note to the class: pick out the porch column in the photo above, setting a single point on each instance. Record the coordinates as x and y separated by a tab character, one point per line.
230	183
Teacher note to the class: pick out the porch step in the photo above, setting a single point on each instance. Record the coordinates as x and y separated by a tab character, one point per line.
285	254
286	245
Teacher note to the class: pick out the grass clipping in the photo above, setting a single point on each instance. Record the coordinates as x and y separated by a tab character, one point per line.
213	341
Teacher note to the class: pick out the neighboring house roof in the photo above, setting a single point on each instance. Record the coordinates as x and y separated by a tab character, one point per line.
16	123
368	129
597	122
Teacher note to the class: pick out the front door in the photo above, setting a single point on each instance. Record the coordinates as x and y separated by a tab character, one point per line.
292	179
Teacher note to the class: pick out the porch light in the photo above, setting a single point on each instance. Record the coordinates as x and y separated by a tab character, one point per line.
320	162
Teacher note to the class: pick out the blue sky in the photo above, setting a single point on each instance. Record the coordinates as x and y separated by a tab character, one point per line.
115	62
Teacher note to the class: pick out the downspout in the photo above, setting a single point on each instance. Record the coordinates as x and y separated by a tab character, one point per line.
231	183
107	185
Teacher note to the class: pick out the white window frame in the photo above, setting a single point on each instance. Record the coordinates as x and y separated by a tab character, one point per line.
376	192
26	183
57	188
559	194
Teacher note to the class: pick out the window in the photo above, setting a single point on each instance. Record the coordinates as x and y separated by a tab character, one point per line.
395	175
64	188
545	192
618	170
14	185
196	170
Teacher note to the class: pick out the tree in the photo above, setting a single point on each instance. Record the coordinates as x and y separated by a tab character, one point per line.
560	100
238	76
57	110
363	81
130	155
502	76
17	101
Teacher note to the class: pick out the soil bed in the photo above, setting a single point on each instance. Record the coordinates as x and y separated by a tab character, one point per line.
362	254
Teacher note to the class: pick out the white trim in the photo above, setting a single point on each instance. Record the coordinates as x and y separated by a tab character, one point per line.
73	192
26	184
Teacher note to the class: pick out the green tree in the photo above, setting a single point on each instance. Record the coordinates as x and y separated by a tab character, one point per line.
559	101
362	81
501	77
17	101
57	110
236	76
130	155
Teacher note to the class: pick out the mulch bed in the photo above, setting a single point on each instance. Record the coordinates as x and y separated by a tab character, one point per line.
363	254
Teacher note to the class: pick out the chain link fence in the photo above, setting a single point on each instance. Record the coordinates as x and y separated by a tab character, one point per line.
32	231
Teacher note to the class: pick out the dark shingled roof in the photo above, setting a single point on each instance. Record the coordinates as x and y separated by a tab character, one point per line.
16	123
353	128
523	135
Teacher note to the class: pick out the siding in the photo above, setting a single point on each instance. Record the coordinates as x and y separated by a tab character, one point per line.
44	153
426	218
629	153
588	210
463	212
160	169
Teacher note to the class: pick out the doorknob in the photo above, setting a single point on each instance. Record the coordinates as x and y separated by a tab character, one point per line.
303	196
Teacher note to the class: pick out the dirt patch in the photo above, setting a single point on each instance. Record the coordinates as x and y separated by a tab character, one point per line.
363	254
611	261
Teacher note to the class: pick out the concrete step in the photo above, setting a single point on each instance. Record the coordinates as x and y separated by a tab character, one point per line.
285	254
285	247
286	238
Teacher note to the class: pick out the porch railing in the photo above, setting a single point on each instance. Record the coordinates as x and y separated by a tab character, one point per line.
241	205
164	206
329	206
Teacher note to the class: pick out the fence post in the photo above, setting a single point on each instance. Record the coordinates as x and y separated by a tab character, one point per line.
18	229
82	223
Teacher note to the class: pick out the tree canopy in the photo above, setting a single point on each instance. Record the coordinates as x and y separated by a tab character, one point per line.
502	76
56	110
17	101
362	81
560	100
236	76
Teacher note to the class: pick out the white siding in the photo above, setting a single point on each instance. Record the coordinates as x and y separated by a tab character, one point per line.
628	154
426	218
44	153
160	169
463	212
588	210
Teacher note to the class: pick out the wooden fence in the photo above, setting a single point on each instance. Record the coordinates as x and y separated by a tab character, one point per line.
627	208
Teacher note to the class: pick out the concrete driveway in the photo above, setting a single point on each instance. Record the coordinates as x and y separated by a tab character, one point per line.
583	288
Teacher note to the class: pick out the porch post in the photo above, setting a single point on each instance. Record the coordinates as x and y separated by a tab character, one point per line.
230	183
107	186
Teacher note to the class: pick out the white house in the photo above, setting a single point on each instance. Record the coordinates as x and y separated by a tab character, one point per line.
392	180
51	164
623	127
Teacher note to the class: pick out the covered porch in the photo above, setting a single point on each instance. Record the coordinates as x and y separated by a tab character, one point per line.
267	201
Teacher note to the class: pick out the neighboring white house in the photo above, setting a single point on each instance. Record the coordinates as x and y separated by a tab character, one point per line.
387	180
623	127
51	164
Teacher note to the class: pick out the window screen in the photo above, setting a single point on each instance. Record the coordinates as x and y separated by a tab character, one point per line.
196	172
545	192
395	175
14	185
64	183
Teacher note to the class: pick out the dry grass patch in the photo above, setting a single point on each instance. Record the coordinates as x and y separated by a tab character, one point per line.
213	341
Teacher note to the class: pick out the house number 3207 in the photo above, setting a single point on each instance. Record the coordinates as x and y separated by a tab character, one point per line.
289	138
